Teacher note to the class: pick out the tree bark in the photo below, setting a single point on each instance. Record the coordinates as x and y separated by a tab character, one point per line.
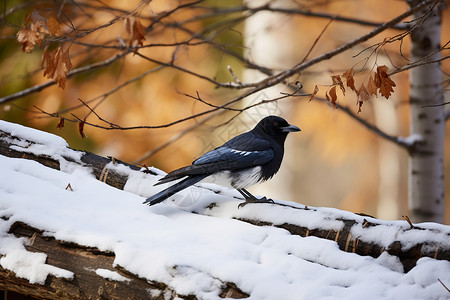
83	262
426	180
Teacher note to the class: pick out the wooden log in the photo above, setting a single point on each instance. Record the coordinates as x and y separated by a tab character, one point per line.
59	253
87	284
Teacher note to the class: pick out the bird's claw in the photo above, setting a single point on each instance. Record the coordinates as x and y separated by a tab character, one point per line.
255	200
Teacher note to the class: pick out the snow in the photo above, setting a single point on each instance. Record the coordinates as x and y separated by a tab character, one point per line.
112	275
410	140
197	253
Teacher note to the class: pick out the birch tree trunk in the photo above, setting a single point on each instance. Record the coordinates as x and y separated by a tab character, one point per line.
426	176
268	42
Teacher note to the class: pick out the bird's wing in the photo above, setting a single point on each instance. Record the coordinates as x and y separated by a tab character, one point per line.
243	151
221	159
230	158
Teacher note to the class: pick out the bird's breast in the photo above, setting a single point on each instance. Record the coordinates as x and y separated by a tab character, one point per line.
239	179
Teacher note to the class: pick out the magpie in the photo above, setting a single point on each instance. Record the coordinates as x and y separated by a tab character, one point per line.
252	157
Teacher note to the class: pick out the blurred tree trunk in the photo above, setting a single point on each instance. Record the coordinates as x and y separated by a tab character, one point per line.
426	176
268	43
389	169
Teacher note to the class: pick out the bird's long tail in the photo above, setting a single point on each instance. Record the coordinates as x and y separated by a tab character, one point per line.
179	186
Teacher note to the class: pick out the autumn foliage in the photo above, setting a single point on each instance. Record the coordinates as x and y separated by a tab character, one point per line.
377	82
57	64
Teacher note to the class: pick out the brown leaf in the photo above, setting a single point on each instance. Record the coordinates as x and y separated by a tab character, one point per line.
371	86
331	96
137	31
348	75
61	123
363	95
53	25
57	65
33	32
316	90
338	81
27	38
386	83
81	129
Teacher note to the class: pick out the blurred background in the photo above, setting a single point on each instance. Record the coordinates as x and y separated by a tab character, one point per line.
189	48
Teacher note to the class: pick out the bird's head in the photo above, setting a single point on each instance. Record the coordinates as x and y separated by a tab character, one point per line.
276	127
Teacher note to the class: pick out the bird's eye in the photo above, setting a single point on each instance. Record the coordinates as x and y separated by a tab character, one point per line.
276	124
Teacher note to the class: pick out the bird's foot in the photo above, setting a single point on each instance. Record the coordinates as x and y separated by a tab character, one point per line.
255	200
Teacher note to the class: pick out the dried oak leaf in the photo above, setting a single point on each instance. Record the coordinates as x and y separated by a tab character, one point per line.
338	81
57	65
331	96
385	83
363	95
81	129
348	75
137	31
371	86
33	32
53	25
61	123
316	90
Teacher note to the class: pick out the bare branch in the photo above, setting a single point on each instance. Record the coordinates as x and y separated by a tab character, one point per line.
316	41
418	63
81	70
214	12
367	125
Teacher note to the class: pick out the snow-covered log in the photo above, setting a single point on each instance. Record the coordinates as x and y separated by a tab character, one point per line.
64	233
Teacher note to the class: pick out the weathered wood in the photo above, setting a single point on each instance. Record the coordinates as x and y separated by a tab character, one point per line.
98	164
83	261
348	243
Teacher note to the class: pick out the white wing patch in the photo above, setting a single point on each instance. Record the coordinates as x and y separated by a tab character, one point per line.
244	153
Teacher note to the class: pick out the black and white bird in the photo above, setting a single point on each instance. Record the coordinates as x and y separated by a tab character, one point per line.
252	157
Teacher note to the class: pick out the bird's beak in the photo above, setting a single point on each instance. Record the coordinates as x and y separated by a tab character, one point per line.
290	128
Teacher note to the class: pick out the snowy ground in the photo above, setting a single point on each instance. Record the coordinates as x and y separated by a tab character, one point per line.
189	252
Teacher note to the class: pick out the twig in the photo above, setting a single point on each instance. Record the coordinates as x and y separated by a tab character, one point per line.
448	290
366	124
316	41
174	138
407	219
198	98
417	64
435	105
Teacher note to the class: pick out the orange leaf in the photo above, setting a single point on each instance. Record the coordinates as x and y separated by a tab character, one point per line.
348	75
81	129
53	25
57	65
371	86
386	83
331	96
137	31
338	81
61	123
316	90
33	32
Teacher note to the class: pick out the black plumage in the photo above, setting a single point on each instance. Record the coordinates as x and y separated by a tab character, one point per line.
246	159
